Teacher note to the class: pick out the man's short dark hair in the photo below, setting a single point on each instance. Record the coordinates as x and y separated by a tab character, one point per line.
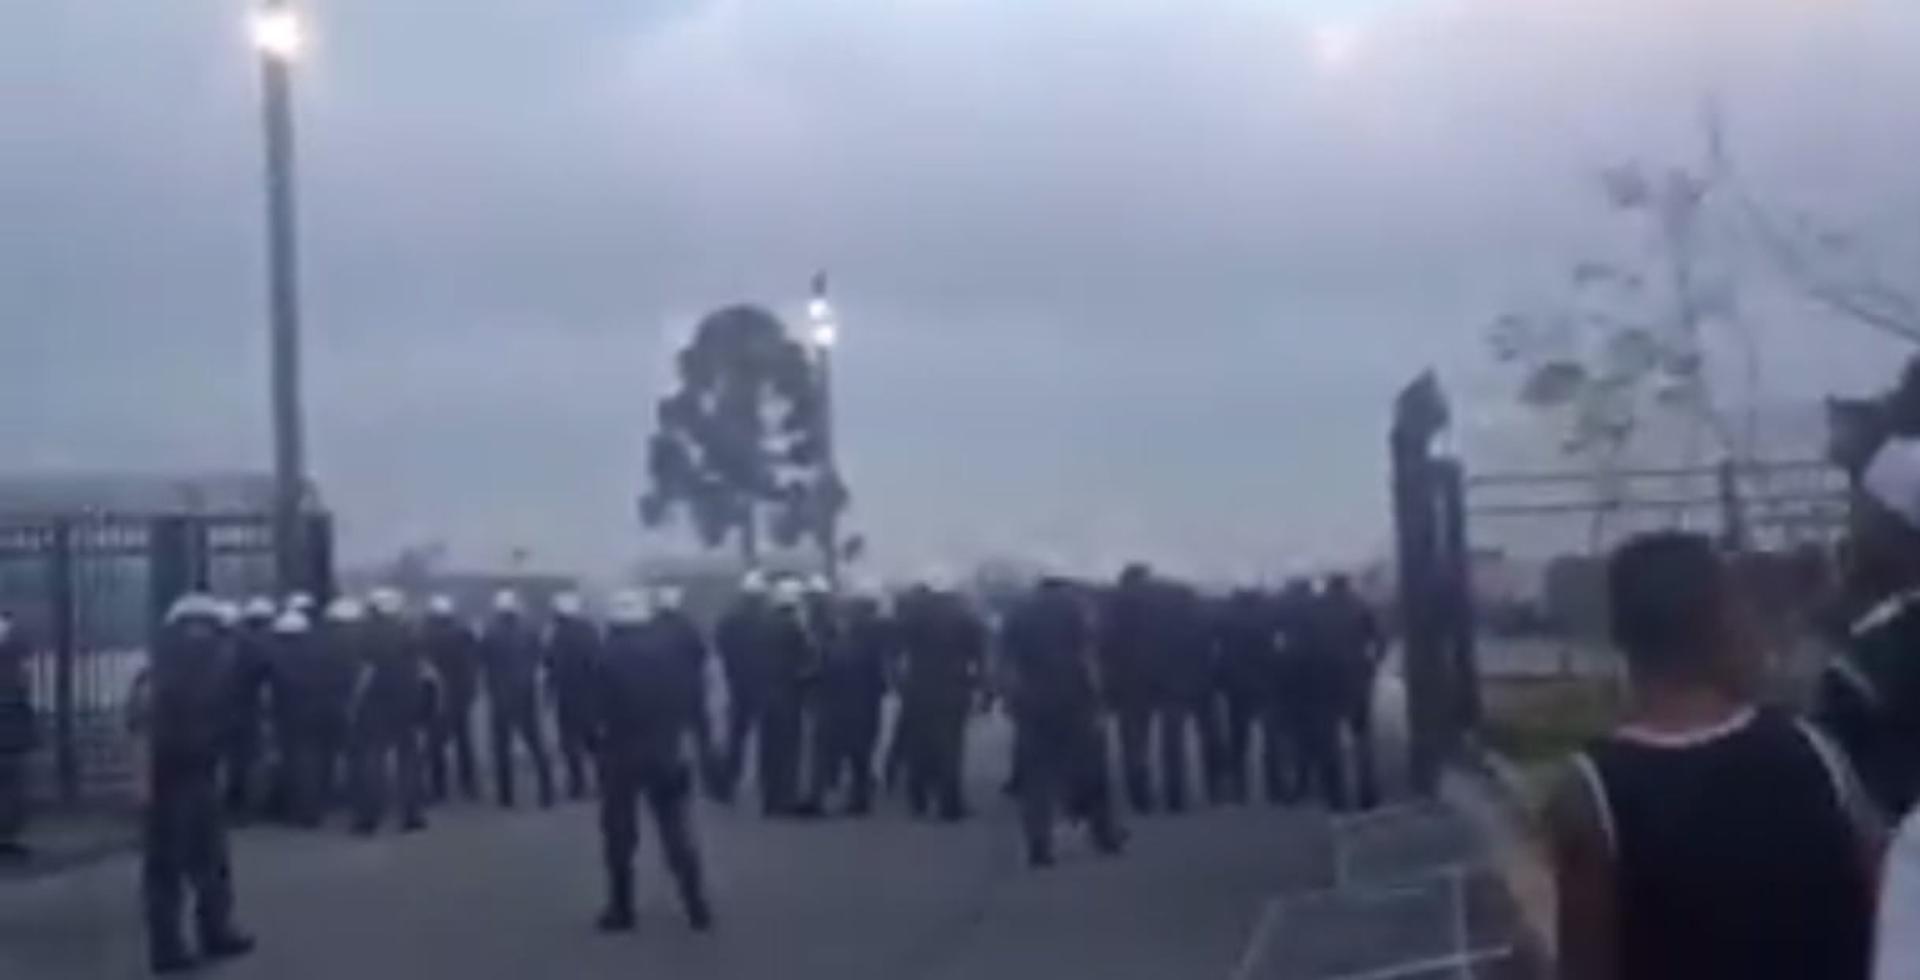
1667	593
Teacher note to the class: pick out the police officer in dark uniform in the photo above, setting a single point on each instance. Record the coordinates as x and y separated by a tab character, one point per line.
793	668
852	688
190	687
452	651
16	738
1355	647
253	650
1317	684
386	717
1127	631
510	656
1247	683
742	637
945	649
572	647
326	669
1051	694
682	635
645	715
1182	668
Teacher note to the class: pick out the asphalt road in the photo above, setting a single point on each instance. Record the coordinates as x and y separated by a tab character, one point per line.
486	894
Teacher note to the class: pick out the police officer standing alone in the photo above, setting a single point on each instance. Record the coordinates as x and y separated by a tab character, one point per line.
451	650
645	716
184	834
1056	712
386	717
510	655
573	644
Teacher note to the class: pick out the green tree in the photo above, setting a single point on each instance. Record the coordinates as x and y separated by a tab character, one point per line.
739	443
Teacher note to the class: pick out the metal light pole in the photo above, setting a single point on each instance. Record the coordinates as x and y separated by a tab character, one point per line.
826	333
278	36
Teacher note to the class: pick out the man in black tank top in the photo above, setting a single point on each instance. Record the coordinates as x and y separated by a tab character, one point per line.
1708	837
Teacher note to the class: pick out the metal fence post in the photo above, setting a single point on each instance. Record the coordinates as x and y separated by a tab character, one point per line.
61	612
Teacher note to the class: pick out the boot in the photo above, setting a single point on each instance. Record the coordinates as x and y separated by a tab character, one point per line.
226	945
618	915
699	913
169	955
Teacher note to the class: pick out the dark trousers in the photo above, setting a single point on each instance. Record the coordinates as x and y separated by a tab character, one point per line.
1133	722
13	796
511	722
386	758
1062	763
1241	725
896	762
1318	773
571	722
452	736
1358	722
239	764
937	756
315	751
782	726
667	790
1182	724
848	731
185	841
743	729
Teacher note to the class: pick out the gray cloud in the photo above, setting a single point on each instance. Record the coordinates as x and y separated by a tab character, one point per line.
1115	276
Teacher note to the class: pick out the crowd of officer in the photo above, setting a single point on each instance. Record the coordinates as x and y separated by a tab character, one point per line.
299	712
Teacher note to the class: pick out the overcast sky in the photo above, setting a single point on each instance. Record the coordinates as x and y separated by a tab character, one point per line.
1116	276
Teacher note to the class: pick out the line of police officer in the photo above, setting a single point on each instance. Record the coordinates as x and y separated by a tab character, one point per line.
368	705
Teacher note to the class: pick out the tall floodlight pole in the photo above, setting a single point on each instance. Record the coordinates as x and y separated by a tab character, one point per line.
278	36
825	334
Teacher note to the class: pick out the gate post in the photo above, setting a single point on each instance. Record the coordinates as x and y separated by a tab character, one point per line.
62	611
318	580
1456	597
1420	413
169	565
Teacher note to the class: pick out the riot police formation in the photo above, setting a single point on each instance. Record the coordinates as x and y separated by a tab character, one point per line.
189	698
1251	686
572	646
453	654
644	712
510	658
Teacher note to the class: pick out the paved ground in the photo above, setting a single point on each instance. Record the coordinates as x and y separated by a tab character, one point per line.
510	895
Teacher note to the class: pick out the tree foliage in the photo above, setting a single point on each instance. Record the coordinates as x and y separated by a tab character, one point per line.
743	435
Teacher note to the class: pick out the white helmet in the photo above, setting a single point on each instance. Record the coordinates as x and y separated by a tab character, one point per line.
440	605
300	602
788	592
229	612
628	607
293	622
345	609
259	608
194	605
669	597
818	585
506	602
568	604
754	582
387	601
